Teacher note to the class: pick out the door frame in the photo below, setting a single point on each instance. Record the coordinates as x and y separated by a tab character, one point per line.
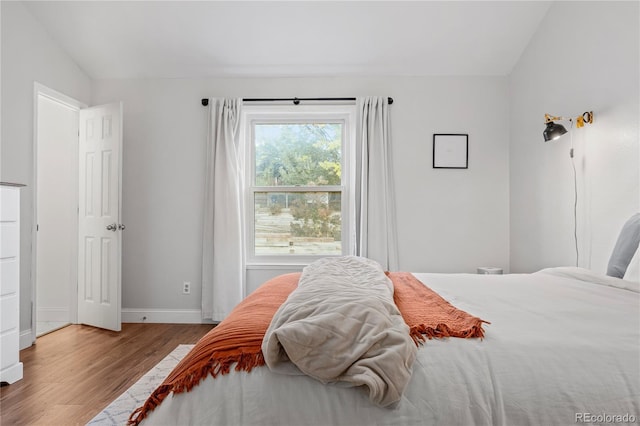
42	90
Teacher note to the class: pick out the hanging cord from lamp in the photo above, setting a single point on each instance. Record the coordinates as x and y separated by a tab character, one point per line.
575	194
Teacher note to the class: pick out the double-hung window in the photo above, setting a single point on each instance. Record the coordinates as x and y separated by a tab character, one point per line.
298	182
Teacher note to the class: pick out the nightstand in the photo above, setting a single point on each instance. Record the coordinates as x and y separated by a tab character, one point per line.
489	270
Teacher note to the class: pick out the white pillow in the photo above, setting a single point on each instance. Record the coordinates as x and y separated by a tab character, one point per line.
625	247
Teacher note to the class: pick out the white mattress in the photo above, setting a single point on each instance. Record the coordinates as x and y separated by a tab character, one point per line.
562	343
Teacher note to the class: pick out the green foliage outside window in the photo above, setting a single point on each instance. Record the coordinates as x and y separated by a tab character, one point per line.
313	217
298	154
302	155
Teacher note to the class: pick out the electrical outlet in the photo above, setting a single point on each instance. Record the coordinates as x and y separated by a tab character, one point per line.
186	287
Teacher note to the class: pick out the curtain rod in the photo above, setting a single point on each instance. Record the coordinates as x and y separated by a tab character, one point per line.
296	101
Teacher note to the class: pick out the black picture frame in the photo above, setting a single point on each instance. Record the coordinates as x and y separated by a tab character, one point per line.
450	151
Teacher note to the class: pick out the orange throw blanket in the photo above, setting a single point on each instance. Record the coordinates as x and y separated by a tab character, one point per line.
238	339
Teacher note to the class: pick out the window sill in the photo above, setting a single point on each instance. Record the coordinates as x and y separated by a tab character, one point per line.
275	265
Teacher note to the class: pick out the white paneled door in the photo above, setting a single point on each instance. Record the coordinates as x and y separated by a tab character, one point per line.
99	216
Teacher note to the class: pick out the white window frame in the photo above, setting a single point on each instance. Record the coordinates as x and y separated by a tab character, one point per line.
261	114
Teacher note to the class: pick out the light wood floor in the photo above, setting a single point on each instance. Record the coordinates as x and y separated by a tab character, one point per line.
72	374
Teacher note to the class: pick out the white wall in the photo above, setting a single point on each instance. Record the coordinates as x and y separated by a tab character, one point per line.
448	220
585	56
28	55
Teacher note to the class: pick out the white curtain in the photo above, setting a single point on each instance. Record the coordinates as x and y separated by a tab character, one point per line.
223	240
376	236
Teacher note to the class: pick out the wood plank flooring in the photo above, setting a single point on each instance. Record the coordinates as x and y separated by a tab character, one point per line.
72	374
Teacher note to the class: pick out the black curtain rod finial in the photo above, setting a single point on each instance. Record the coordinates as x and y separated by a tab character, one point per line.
205	101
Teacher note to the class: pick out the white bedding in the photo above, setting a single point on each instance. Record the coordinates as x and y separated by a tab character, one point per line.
557	349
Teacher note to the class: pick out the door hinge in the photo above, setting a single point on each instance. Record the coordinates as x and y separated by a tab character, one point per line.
37	227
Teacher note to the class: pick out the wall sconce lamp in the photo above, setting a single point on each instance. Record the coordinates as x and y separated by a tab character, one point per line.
553	130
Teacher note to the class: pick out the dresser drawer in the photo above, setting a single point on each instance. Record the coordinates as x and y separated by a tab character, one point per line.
9	313
9	207
9	242
9	270
8	354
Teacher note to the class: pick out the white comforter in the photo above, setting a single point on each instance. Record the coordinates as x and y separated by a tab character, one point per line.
341	326
560	345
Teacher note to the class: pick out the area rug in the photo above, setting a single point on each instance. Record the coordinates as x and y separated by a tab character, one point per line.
117	413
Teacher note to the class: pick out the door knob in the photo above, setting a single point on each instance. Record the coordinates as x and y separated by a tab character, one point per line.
113	227
121	226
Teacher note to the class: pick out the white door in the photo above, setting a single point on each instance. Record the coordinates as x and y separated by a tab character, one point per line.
99	216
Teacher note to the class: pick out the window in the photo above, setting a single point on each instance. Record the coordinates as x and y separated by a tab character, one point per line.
297	182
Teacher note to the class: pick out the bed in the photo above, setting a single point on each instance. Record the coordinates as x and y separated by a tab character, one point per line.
562	347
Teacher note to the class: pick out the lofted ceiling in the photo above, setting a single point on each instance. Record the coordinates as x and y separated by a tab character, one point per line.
185	39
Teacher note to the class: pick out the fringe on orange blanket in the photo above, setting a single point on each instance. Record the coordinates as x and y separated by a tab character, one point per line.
238	339
427	314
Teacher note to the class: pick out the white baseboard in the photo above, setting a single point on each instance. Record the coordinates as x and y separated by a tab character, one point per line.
53	315
168	316
26	339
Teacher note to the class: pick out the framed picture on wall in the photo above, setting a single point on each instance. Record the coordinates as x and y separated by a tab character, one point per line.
450	151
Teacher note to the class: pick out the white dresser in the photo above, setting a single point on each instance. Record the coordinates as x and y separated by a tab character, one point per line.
10	365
